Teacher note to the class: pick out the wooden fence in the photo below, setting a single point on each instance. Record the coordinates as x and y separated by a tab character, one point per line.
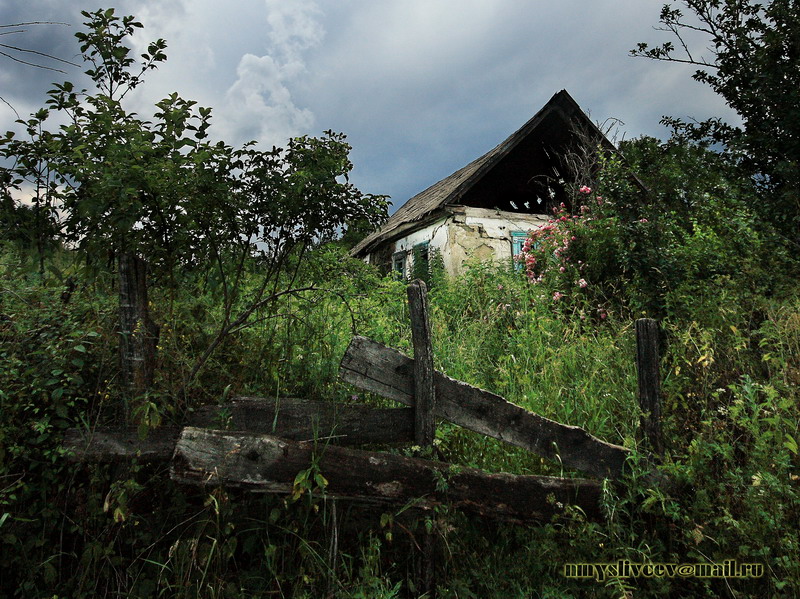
261	444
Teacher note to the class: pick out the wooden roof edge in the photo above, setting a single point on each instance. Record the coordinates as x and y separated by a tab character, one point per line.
366	245
560	102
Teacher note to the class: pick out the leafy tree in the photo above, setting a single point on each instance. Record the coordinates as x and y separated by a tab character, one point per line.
754	65
160	200
34	225
692	232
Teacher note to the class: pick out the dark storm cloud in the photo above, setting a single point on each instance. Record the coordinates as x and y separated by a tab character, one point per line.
22	83
420	87
433	85
52	33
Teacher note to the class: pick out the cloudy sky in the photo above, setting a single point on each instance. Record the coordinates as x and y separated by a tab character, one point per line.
420	87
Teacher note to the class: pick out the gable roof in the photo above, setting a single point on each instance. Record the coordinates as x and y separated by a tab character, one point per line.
451	189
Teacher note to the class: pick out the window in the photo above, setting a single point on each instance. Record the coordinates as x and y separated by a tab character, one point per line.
420	267
399	265
517	241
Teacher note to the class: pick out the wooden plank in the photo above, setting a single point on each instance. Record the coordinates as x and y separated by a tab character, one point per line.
424	421
424	391
120	444
264	463
306	419
649	385
297	419
387	372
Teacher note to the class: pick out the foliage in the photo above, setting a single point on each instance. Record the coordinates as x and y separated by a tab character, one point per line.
755	67
687	247
659	248
731	415
159	190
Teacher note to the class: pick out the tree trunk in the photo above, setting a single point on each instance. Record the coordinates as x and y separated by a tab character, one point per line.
138	333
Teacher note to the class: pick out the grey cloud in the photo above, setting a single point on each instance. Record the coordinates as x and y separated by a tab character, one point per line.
420	87
259	105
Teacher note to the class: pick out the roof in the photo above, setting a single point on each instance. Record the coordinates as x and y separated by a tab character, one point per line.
428	203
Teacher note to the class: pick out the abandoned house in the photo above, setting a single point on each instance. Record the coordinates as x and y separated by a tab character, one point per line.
484	211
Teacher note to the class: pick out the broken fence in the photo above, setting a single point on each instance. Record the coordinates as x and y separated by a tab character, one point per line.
261	444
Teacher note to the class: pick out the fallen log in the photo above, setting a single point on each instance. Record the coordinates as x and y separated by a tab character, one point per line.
264	463
296	419
120	444
374	367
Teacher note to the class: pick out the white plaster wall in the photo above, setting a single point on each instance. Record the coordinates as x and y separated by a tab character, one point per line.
435	234
498	224
480	235
469	235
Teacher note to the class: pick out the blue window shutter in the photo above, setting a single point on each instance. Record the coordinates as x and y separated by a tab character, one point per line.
517	241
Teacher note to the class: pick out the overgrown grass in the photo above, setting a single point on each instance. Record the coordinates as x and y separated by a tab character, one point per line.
730	371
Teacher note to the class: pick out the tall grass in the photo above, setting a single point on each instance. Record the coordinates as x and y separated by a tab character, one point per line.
730	371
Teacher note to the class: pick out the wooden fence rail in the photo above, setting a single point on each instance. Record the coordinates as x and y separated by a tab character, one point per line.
265	463
289	418
374	367
266	442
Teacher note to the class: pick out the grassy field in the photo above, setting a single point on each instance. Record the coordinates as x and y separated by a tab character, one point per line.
730	372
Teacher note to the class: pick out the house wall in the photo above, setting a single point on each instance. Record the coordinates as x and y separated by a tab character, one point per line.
434	234
467	235
481	235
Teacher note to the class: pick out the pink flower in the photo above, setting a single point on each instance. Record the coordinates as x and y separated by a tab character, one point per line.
557	296
562	269
500	287
642	220
599	200
582	283
585	189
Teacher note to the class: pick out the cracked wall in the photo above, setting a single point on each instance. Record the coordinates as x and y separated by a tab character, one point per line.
468	236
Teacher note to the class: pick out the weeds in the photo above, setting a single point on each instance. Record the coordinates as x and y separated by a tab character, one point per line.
729	377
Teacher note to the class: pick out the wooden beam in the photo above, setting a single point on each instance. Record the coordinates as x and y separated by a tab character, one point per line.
424	421
120	444
306	419
424	391
649	385
264	463
297	419
385	371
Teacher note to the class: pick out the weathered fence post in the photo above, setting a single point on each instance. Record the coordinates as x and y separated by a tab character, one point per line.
649	394
424	395
424	403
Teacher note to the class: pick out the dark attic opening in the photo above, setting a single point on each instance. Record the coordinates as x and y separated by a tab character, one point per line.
538	174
